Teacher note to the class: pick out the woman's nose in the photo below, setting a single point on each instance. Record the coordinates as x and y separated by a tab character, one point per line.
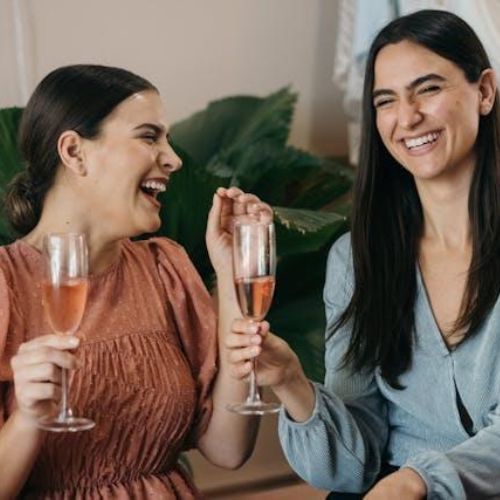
169	159
409	114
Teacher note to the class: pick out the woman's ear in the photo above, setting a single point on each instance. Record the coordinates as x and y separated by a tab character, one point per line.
69	147
487	90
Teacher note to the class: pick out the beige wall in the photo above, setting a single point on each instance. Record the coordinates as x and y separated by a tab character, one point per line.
199	50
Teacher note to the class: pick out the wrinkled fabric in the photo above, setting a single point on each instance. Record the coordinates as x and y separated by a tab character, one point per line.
148	354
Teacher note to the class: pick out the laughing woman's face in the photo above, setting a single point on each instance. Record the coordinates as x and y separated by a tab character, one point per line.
427	112
128	164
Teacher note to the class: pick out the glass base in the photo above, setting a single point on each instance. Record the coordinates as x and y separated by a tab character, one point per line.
70	424
257	408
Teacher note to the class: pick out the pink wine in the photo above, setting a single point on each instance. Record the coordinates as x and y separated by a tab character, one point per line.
64	304
255	296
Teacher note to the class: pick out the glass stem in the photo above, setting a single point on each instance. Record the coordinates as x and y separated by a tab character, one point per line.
64	412
253	395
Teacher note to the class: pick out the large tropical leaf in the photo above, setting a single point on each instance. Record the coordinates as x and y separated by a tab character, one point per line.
301	323
233	123
303	231
10	159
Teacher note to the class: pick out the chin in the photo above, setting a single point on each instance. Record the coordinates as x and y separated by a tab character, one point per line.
143	223
152	226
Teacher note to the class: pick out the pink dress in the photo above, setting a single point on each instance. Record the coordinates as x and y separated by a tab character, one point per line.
148	355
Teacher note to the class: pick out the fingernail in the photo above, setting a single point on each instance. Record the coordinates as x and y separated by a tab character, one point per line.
255	339
74	341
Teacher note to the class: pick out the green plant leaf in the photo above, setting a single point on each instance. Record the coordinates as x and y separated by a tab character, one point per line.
300	231
301	323
10	159
233	123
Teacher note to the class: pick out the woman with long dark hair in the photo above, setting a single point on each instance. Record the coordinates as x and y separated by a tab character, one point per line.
410	405
96	145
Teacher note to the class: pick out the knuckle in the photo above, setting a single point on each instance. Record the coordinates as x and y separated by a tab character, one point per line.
52	391
50	371
243	370
14	362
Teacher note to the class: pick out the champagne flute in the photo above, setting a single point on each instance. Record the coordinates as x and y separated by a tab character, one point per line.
64	292
254	256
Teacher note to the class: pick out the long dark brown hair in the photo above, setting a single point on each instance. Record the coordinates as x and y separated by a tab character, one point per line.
387	220
78	98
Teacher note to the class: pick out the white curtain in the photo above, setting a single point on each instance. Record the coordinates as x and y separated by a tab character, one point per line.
17	55
359	22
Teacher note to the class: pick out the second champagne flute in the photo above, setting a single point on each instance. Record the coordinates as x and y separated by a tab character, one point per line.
64	292
254	256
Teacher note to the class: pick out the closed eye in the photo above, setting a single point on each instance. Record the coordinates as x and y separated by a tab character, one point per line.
382	102
429	89
150	138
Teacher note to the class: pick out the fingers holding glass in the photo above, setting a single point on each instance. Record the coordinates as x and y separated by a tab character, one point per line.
37	372
254	260
64	291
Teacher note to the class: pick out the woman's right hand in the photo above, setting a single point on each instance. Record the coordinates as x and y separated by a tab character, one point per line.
277	367
37	373
247	340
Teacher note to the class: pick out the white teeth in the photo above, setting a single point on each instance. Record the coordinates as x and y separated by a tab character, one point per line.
154	185
420	141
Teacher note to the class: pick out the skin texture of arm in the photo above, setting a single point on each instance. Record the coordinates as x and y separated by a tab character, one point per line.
37	378
230	438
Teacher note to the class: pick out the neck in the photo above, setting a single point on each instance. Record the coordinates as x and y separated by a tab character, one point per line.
445	211
104	248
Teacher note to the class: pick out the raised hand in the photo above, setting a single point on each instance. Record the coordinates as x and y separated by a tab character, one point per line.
37	373
228	204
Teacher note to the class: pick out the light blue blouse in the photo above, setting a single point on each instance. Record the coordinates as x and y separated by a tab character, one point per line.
359	421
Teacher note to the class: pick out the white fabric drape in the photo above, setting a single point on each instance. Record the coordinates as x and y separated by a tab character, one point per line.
360	20
17	58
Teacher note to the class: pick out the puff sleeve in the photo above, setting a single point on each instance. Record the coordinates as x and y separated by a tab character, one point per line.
194	317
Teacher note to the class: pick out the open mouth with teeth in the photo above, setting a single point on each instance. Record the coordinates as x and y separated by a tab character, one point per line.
151	188
424	140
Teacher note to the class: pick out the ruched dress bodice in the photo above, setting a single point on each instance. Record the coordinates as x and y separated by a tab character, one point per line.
148	359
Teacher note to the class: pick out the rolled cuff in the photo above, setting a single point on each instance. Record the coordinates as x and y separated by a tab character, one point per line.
441	478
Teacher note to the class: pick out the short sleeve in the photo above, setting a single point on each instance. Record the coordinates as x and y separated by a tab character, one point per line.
5	354
194	316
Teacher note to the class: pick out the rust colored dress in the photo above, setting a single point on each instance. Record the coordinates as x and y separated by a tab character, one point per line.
148	354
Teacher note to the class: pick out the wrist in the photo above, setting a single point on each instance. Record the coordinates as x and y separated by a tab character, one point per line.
292	378
25	422
415	482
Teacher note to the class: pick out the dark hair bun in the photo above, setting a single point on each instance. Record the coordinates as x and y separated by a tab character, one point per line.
21	204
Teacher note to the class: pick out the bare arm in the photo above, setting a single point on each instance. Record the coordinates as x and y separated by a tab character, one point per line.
20	443
230	438
37	379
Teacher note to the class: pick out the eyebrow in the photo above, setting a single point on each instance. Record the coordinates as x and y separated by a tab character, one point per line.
157	129
411	86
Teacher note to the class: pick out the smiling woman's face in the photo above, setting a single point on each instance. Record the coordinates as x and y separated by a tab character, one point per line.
427	113
128	164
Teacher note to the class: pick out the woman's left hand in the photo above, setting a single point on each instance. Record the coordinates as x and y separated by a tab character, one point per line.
404	484
228	204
